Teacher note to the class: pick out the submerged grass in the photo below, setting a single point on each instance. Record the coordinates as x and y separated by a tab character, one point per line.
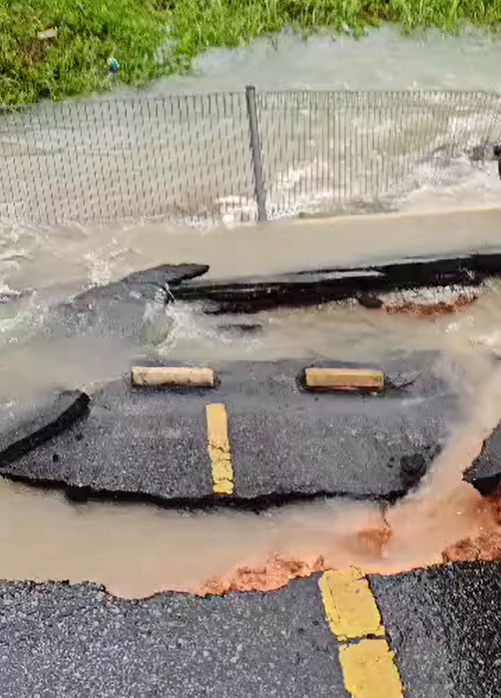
151	38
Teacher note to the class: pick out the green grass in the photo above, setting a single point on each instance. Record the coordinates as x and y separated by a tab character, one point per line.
135	31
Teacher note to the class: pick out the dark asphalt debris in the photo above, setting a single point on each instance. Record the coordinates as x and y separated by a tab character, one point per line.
485	473
311	287
118	309
23	430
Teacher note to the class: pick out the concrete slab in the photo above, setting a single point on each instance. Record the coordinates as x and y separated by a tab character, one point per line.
283	441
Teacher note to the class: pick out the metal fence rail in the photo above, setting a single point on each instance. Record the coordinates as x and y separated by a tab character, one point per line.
204	158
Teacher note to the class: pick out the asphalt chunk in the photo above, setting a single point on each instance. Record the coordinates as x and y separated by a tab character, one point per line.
283	441
118	309
23	430
130	442
310	287
444	627
485	473
79	642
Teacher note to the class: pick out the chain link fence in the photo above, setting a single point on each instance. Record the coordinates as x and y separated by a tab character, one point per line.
201	159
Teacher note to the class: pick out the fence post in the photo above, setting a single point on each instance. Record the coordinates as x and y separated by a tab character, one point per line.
255	145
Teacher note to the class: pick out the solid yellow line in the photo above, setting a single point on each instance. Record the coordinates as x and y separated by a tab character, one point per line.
367	663
218	446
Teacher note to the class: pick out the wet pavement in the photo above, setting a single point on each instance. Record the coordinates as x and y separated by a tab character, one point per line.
423	634
445	629
281	439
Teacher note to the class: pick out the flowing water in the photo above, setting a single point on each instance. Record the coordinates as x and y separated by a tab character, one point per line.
137	550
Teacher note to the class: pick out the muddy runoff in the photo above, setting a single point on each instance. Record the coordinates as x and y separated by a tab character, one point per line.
138	550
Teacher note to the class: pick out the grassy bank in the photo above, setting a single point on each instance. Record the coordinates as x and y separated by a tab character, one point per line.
73	60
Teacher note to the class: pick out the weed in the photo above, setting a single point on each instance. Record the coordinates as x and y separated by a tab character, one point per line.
151	38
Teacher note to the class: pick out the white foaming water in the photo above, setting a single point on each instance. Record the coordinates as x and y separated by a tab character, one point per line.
383	60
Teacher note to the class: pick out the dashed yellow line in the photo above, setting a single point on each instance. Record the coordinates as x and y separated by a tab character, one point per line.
349	605
369	670
218	446
367	663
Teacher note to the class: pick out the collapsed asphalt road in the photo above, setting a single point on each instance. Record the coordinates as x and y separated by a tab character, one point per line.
124	307
283	441
119	308
439	628
424	634
485	473
310	287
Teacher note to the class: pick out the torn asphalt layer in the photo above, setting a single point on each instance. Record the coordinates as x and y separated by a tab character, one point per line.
22	431
283	440
335	284
118	309
485	473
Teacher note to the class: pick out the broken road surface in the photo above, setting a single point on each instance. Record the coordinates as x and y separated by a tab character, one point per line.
280	440
256	437
485	474
424	634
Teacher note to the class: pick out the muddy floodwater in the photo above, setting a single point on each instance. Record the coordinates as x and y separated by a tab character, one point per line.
137	550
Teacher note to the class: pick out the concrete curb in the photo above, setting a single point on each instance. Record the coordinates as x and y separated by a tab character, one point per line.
173	376
347	379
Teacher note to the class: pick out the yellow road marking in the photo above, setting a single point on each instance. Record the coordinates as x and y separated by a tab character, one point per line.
366	660
349	605
218	447
369	670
